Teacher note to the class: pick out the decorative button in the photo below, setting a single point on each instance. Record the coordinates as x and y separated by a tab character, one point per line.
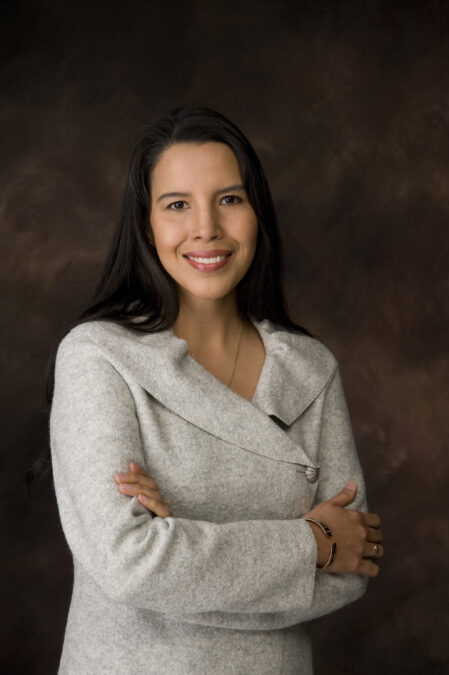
311	473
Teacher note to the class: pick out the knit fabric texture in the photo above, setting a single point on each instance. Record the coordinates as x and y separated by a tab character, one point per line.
226	584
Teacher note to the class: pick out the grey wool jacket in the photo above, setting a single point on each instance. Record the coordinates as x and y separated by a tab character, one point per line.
226	584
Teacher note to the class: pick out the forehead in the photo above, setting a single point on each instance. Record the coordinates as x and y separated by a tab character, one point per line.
183	163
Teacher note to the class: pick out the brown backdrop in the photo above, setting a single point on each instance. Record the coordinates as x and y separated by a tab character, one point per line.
347	105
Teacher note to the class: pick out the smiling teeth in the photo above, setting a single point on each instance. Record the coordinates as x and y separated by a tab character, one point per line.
219	258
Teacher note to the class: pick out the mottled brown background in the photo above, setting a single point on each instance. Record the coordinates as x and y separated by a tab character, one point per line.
347	105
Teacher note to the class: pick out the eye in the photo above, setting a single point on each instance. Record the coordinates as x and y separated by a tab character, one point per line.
178	202
232	197
181	201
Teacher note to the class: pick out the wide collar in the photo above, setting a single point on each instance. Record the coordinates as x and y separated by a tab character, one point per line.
295	371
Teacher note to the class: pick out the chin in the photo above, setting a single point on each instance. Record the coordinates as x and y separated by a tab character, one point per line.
205	293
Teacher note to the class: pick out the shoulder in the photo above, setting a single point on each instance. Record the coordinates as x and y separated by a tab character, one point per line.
88	362
93	331
311	348
82	345
311	354
109	350
109	336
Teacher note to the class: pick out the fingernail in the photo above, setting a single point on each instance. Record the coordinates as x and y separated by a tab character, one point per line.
350	485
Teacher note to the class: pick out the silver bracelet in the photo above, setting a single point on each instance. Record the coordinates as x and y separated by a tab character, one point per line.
328	533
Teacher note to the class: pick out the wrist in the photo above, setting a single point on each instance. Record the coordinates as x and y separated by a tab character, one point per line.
321	544
325	548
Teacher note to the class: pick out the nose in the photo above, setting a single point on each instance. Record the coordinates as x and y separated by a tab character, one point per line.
206	225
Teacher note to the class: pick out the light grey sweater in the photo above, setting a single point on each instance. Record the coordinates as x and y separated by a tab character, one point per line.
225	584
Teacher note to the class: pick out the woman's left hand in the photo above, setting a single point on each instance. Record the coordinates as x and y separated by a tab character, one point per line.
138	483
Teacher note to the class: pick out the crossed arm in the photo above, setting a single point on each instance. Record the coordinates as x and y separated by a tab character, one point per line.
175	565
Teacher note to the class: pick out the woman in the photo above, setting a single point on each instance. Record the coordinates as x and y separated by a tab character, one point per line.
200	440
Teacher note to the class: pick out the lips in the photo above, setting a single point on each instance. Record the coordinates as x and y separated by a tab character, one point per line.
208	253
216	262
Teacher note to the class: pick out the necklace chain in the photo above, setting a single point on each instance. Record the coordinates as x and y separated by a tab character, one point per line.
236	353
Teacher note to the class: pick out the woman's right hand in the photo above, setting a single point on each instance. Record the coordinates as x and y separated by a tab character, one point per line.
138	483
354	532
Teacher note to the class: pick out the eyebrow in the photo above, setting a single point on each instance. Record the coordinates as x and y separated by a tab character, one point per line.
187	194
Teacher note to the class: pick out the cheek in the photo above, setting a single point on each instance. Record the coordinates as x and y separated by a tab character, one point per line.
167	239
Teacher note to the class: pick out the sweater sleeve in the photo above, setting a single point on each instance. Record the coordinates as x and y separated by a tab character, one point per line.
339	464
172	565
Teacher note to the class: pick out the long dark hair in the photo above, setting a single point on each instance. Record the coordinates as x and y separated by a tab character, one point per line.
134	284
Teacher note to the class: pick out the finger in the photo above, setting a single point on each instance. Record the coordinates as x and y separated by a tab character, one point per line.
138	479
133	489
138	468
345	496
368	550
370	519
374	534
154	505
132	477
369	568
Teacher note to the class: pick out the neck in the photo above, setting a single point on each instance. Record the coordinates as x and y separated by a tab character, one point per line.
208	324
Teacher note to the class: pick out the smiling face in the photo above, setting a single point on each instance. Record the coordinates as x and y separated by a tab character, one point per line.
206	213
